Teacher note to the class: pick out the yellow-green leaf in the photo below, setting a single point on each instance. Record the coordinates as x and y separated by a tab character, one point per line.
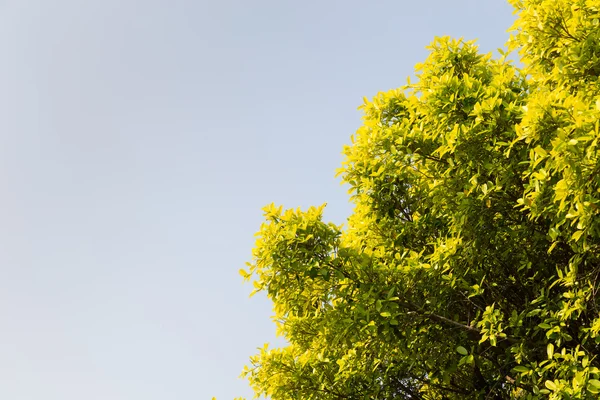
550	350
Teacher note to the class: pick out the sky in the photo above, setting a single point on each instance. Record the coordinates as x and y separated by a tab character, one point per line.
139	141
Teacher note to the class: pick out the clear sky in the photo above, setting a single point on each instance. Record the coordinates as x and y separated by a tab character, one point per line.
139	141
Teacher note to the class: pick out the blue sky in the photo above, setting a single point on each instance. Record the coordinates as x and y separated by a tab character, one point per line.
139	141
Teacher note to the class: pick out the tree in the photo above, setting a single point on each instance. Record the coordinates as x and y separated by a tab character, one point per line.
470	265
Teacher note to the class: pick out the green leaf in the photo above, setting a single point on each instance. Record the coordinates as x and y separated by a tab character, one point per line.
593	389
385	314
533	313
462	350
595	383
550	350
577	235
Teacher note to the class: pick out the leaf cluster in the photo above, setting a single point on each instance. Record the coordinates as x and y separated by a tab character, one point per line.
469	267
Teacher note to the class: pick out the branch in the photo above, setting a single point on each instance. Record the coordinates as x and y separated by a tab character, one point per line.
439	318
448	321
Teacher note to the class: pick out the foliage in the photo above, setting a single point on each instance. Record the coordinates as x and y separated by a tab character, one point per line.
469	268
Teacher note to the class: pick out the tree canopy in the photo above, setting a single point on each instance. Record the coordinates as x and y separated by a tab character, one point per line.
469	267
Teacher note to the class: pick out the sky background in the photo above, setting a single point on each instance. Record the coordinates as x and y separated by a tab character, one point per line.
139	141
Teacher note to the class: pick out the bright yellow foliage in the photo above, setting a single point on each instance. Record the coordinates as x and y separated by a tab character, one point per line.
469	268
